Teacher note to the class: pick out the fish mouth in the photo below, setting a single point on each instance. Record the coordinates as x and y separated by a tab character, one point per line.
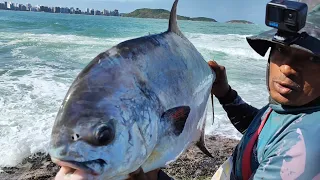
79	170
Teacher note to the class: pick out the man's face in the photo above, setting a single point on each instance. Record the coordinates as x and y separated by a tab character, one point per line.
294	80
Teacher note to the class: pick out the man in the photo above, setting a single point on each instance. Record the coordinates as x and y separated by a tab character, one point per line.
281	140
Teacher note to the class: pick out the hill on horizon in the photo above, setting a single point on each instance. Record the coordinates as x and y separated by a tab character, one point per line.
162	14
240	22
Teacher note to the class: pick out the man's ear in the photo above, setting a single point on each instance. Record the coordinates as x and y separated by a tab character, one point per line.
268	73
268	66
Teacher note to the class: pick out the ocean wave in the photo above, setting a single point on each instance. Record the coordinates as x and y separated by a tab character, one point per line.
74	48
234	45
18	38
31	97
42	67
230	44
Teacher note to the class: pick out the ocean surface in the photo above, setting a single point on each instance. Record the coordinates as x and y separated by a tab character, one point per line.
42	53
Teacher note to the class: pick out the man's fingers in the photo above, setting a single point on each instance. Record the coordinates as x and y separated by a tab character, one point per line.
219	70
223	69
214	65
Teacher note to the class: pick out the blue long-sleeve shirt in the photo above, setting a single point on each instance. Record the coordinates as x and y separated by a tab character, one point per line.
288	146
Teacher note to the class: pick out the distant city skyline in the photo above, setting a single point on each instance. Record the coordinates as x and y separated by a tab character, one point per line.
9	5
221	10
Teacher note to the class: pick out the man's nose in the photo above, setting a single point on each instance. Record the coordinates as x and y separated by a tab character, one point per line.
288	70
289	67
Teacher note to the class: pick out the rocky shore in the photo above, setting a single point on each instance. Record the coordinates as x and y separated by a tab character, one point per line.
193	164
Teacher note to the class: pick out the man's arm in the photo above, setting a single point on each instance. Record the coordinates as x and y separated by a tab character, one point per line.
239	112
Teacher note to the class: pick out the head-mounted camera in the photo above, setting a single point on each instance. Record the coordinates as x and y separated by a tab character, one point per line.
288	17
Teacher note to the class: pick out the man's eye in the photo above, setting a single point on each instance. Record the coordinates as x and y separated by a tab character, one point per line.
279	49
282	50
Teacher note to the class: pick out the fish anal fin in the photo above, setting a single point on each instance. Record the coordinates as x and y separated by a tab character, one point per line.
202	146
178	117
201	143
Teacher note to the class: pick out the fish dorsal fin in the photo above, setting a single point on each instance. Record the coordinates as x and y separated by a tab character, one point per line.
178	117
173	24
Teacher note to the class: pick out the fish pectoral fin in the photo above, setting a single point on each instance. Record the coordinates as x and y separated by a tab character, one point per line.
178	116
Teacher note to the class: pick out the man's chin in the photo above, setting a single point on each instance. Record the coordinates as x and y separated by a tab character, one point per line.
286	101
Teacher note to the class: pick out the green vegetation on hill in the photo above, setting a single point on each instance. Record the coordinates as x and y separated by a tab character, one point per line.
203	19
240	21
161	14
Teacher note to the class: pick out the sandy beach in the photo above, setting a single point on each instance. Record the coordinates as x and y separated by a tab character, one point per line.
193	164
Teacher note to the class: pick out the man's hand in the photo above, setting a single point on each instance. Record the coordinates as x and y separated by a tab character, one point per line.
140	175
220	87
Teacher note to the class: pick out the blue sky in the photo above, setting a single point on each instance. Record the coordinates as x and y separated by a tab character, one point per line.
221	10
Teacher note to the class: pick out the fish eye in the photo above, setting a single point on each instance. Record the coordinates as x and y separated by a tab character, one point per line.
104	135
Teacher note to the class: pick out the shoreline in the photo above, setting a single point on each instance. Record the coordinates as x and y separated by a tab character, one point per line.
193	164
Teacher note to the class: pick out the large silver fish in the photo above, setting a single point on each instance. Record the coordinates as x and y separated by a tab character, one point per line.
141	104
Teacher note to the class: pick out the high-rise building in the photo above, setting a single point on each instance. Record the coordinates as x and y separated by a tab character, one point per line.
67	10
92	11
106	12
56	10
72	10
45	9
112	13
2	6
29	6
62	10
97	12
35	9
88	11
22	7
6	5
116	12
11	6
77	11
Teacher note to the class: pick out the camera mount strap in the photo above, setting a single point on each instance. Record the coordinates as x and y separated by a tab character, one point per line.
287	38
